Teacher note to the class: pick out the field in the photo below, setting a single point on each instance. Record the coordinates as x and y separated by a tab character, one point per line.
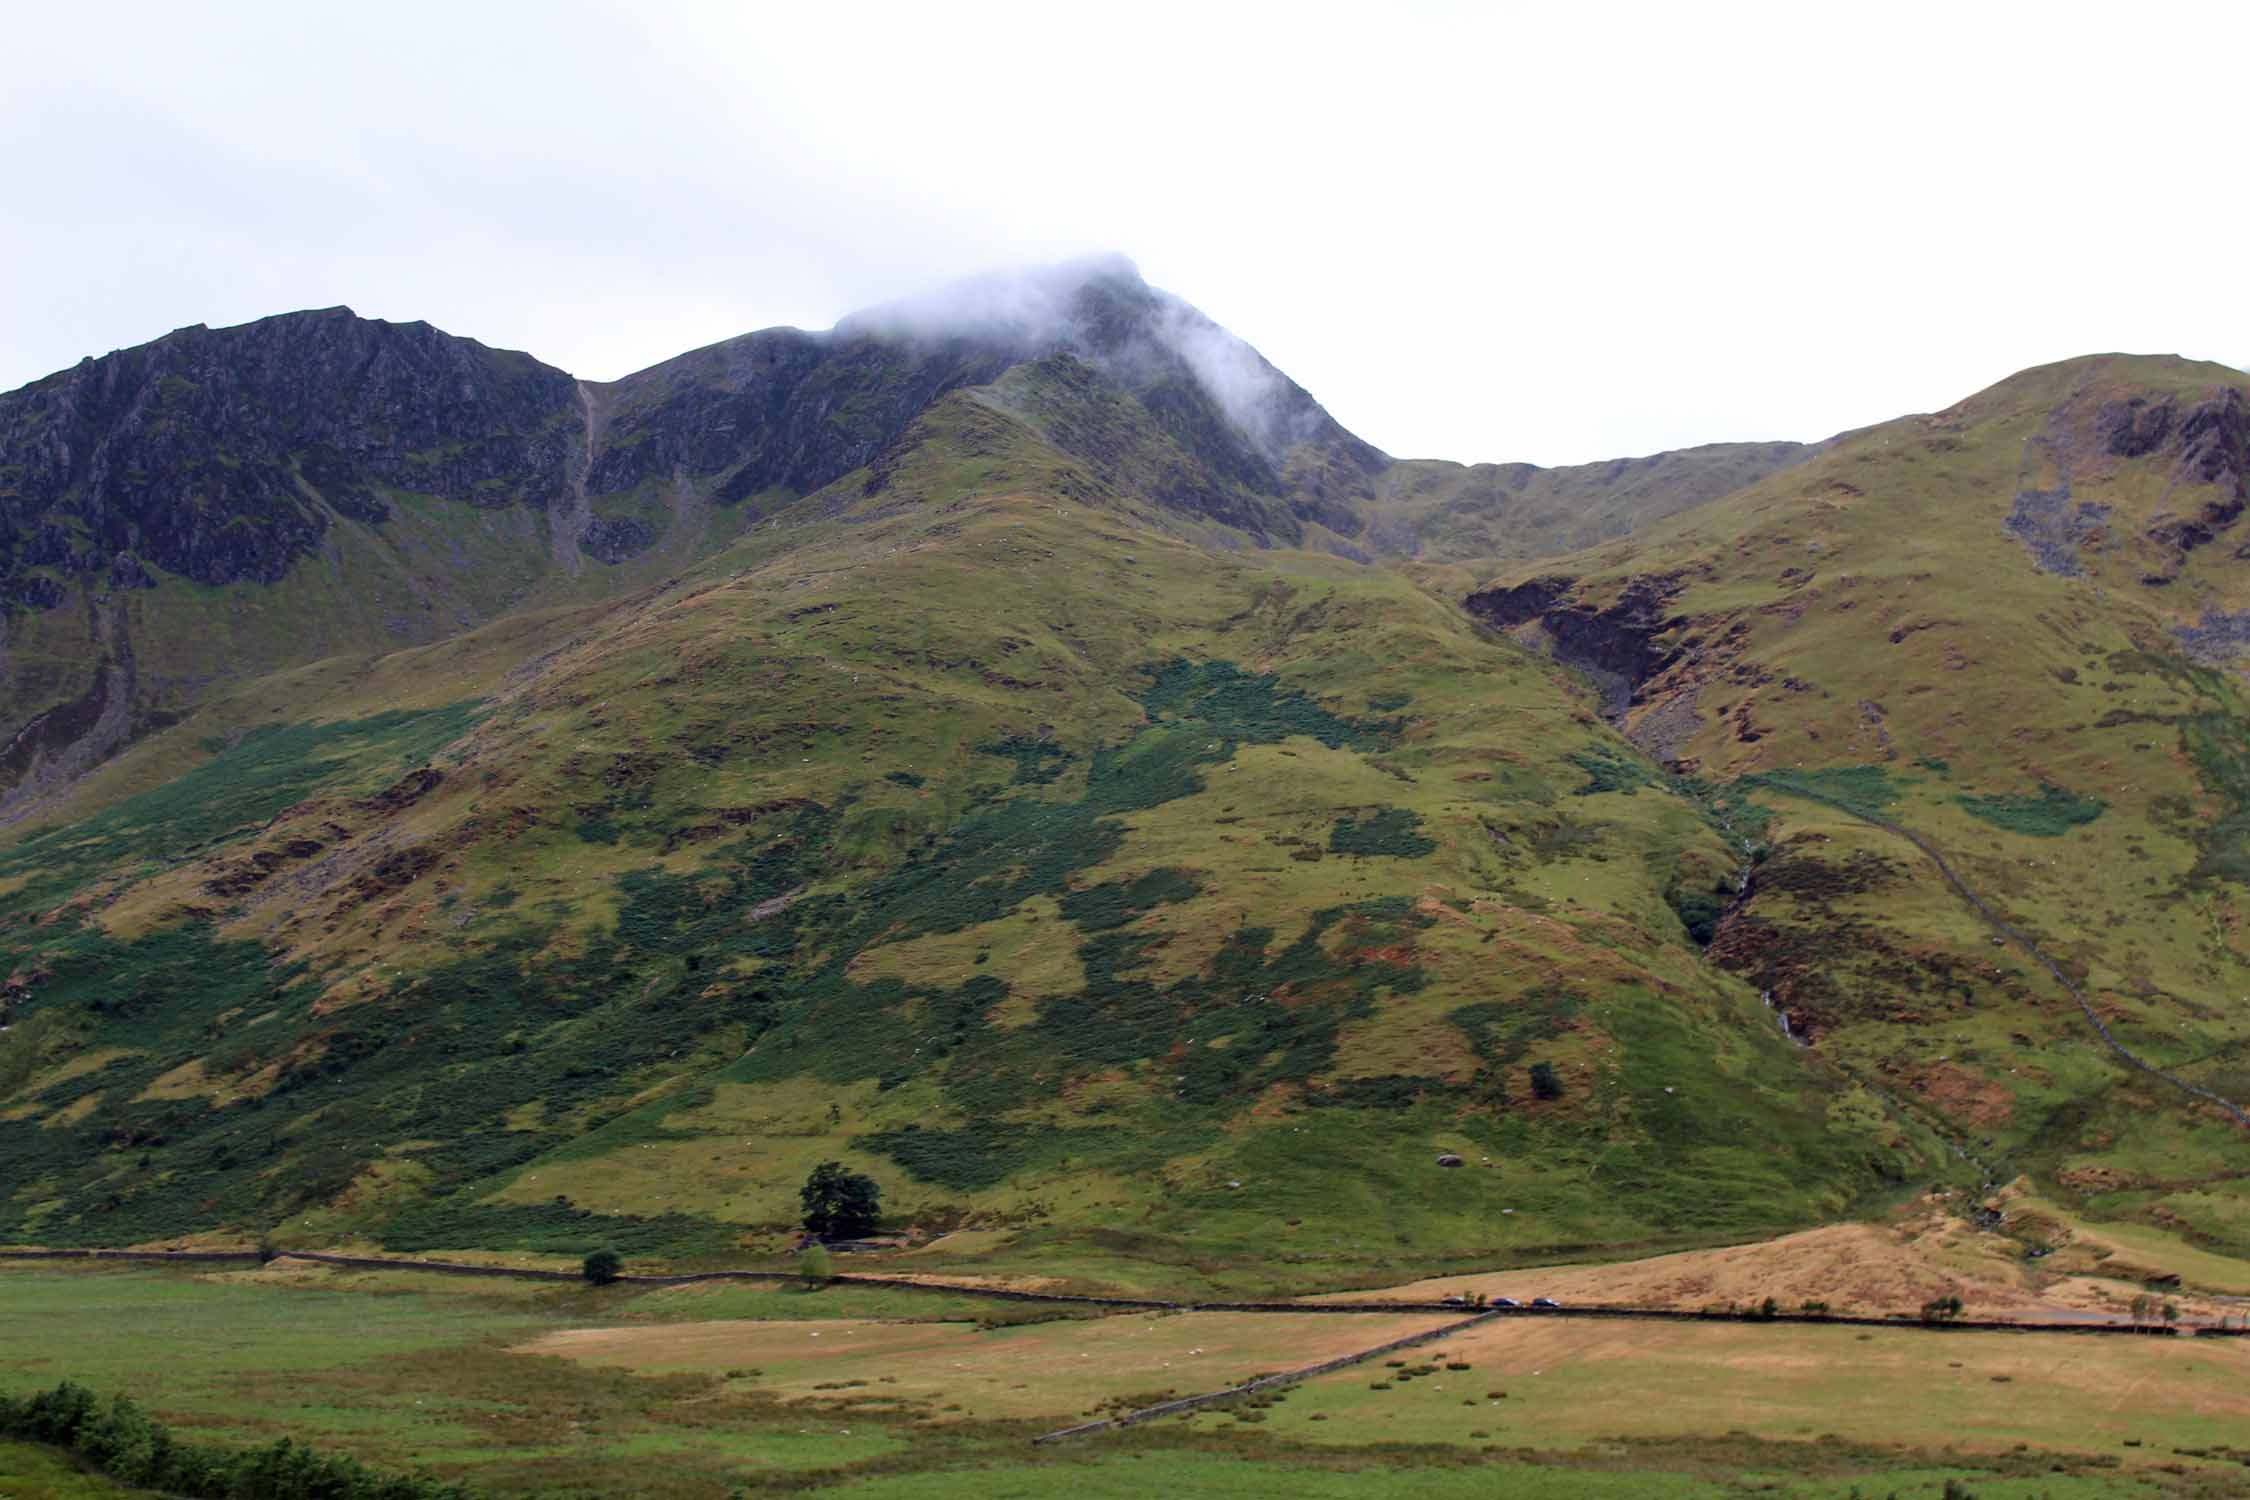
1875	1270
30	1472
568	1389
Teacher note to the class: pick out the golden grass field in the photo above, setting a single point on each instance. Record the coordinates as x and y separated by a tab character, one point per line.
1054	1369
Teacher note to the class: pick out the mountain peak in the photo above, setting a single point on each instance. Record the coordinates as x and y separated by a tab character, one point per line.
1023	307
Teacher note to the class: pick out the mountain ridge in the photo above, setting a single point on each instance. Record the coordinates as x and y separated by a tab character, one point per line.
399	483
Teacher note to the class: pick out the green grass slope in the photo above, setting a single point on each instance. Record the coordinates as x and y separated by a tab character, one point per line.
2009	628
1122	899
1449	512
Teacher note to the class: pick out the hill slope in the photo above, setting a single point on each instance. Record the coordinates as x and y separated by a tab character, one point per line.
968	744
1118	894
2002	628
182	516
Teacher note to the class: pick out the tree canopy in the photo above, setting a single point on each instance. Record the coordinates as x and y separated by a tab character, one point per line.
840	1203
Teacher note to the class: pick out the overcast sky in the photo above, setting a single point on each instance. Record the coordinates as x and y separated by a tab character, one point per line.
1551	233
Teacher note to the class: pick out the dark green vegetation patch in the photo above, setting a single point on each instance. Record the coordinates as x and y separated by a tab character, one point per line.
1388	830
1037	760
1857	788
2051	814
242	787
1254	709
1611	770
2219	744
124	1442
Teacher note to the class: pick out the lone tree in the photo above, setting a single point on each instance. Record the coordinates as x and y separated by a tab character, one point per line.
602	1267
840	1204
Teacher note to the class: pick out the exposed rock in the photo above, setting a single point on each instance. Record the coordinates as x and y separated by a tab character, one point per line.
1616	646
2052	529
612	540
2133	428
221	454
2217	638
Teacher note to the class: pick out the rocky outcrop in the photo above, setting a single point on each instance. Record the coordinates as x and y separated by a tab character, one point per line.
2209	441
779	410
1620	646
2052	528
222	455
54	747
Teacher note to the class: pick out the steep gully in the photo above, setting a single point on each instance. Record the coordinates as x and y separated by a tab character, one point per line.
58	746
570	525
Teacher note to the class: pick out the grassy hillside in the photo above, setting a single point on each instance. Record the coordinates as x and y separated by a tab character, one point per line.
912	751
2006	628
1440	511
1127	900
180	518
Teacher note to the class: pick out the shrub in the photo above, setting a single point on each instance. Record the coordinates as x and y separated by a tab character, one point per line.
1608	770
602	1267
124	1442
1545	1083
815	1266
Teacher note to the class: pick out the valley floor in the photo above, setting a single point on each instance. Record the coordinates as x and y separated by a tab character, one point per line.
529	1387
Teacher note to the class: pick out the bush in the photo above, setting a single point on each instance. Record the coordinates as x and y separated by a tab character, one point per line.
815	1266
602	1267
1545	1082
124	1442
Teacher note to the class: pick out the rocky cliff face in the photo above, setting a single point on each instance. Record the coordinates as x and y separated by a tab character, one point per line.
221	455
779	410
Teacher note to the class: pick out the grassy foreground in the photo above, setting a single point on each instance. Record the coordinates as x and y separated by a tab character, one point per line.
28	1470
583	1392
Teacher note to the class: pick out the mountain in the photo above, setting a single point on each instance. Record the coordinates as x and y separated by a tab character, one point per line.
1019	744
224	503
2007	630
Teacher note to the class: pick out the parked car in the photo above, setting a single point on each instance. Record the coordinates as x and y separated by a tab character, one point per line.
1454	1299
1544	1302
1505	1302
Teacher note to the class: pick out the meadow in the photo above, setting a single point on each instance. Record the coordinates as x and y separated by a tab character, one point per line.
564	1389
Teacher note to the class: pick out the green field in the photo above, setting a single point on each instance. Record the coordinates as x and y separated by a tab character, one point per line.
31	1472
404	1373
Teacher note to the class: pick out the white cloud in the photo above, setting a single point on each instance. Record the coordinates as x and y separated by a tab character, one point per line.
1552	233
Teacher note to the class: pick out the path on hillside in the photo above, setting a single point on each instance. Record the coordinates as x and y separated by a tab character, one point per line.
2017	936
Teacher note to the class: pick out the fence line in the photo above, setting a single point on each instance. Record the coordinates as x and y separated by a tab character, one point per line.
1132	1304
